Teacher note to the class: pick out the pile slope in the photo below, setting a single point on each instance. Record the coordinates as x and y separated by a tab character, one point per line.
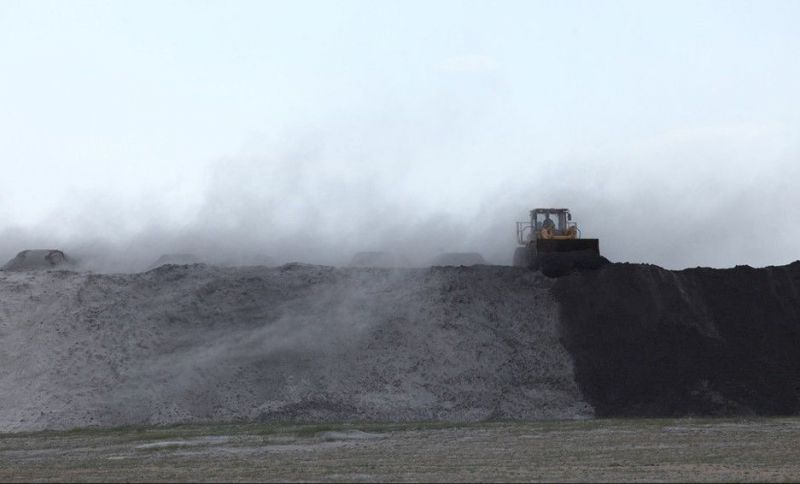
307	343
651	342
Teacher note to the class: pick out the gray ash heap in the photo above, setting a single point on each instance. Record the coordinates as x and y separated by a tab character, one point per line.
197	343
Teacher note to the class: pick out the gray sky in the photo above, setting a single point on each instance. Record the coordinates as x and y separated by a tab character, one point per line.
309	130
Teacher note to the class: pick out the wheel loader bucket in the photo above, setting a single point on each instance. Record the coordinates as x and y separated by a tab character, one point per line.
544	246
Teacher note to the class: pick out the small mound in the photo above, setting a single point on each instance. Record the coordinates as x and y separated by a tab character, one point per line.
176	259
379	259
37	260
459	259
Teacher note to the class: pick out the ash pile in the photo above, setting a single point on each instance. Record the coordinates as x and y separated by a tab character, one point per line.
299	343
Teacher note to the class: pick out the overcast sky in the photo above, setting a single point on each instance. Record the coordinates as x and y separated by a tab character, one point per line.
309	130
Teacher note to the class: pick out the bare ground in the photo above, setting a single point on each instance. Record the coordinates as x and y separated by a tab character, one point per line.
590	450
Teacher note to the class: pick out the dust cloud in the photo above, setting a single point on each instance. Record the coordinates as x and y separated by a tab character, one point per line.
706	197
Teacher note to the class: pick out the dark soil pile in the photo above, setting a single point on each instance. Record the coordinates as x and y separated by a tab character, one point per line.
652	342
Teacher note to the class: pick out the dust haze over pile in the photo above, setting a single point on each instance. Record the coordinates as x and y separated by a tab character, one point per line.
709	198
671	135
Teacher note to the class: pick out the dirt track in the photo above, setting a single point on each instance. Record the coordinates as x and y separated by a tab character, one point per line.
593	450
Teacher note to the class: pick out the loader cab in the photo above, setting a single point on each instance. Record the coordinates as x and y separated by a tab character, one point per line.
548	231
558	220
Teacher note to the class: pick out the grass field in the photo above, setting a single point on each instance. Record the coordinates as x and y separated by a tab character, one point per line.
605	450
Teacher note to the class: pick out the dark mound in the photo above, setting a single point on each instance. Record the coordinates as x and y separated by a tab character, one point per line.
652	342
458	259
39	259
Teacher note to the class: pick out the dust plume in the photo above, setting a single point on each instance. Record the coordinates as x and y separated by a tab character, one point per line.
709	197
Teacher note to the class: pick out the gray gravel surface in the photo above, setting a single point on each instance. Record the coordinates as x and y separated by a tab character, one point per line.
636	450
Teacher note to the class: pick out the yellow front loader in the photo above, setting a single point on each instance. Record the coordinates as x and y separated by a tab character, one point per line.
550	230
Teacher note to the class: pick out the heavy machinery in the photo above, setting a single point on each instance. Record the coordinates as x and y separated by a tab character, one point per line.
551	231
